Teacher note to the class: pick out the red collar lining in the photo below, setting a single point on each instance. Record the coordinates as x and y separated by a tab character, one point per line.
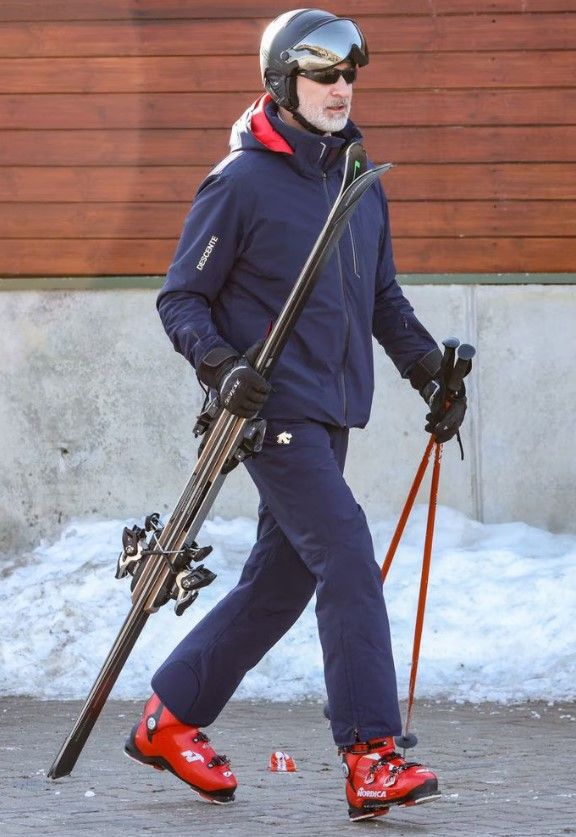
263	130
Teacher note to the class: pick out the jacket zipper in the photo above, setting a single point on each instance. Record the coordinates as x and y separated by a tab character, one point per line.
346	314
353	250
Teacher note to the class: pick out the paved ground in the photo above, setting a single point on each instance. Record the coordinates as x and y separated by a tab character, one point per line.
503	771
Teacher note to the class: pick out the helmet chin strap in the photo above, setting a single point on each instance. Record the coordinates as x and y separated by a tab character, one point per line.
289	101
305	124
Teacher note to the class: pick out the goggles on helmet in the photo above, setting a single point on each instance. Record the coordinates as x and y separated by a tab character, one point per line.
327	45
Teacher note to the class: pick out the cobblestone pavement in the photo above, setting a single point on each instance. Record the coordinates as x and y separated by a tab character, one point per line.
503	771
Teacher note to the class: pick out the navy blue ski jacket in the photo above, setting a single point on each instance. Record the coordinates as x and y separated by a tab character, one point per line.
248	234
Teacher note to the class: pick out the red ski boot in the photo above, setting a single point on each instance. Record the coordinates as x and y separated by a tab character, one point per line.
378	777
161	741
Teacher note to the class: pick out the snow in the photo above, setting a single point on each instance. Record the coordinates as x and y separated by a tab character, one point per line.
499	622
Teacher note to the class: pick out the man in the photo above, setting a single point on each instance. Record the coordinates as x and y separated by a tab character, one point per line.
252	225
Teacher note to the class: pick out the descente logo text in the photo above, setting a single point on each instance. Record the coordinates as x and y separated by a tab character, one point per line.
206	254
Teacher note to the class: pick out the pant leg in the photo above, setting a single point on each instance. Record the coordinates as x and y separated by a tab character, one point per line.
204	670
303	486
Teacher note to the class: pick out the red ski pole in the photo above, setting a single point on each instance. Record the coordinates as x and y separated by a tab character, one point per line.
406	740
407	509
453	375
426	561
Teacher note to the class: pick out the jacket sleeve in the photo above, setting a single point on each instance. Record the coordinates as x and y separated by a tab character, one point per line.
210	241
394	324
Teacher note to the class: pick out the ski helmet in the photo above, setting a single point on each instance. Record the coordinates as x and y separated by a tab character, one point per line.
306	39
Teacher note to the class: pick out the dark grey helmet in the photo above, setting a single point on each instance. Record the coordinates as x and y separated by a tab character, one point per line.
306	39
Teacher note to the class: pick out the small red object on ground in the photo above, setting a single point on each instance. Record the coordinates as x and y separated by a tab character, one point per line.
281	763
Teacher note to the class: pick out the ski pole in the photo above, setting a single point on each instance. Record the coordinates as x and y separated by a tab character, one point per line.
446	369
406	740
453	375
407	509
450	345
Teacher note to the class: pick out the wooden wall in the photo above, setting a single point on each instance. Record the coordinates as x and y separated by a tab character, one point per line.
112	111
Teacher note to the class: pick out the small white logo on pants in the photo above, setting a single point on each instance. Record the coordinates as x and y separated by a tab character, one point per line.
191	756
283	438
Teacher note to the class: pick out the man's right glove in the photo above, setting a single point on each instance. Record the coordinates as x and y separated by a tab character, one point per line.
241	389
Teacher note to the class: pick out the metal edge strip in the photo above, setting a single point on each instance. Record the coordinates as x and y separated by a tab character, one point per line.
116	283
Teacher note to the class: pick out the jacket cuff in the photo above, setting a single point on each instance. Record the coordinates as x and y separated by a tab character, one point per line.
214	364
425	369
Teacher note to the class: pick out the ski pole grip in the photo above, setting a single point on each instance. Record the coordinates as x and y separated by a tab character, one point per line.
462	367
450	345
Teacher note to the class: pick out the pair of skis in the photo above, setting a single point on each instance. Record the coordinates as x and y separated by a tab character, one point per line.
160	559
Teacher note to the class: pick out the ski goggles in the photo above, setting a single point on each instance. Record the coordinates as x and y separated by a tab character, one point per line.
331	75
327	45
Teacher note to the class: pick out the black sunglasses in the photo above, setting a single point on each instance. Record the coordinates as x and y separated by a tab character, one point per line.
331	75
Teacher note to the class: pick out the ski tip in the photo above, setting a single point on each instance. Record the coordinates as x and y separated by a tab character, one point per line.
382	168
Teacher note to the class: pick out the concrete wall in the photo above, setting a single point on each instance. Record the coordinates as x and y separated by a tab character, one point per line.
96	411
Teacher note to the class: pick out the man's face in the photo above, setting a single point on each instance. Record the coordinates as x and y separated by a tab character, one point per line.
326	106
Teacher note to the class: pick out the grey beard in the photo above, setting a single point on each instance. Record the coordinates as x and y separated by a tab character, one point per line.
321	120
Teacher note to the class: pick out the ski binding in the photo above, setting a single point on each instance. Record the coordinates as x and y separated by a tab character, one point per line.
184	581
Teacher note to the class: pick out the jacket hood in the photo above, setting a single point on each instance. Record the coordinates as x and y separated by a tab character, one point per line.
261	129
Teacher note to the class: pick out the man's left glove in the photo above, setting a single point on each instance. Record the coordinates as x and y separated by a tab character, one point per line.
447	409
241	389
447	412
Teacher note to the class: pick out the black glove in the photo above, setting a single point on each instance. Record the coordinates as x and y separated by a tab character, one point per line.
242	390
447	409
446	412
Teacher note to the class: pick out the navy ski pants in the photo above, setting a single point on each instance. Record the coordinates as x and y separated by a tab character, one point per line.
312	537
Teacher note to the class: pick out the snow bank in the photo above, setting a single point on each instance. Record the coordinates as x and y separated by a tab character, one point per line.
499	624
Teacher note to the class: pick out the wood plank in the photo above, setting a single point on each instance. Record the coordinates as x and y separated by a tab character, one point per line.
204	147
131	38
213	110
92	220
410	219
21	10
134	75
480	32
151	257
506	181
546	144
100	183
124	110
485	255
66	257
444	219
477	32
240	73
89	148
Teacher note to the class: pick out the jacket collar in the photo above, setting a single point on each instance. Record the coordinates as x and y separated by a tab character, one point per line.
311	154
